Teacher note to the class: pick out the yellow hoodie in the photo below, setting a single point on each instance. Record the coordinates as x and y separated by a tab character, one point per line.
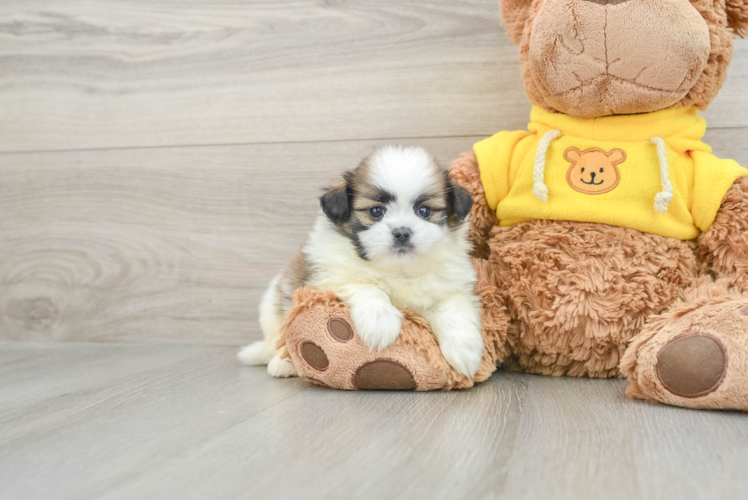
649	172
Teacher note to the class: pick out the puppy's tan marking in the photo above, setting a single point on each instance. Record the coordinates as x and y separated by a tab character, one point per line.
296	275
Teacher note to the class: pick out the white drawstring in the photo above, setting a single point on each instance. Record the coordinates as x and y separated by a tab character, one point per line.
663	198
540	190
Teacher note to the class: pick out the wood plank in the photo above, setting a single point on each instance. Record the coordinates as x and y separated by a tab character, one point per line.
168	245
140	404
199	425
77	75
86	367
158	245
517	436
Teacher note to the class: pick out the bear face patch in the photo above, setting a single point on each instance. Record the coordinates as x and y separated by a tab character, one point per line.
594	171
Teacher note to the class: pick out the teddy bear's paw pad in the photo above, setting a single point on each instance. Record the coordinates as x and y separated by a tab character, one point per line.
314	356
340	329
384	374
692	365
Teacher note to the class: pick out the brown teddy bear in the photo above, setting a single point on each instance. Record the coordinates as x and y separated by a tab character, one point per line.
608	240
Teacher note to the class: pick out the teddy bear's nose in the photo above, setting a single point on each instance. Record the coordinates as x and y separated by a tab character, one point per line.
603	48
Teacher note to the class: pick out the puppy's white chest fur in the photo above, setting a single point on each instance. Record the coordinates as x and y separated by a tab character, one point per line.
409	292
418	292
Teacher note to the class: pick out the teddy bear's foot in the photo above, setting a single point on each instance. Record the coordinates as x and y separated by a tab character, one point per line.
695	356
323	345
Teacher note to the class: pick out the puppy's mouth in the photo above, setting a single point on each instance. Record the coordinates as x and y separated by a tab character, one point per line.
403	249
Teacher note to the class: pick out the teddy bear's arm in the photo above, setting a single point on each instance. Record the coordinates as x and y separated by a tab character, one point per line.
465	172
724	248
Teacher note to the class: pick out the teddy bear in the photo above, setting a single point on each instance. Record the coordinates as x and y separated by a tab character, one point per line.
607	238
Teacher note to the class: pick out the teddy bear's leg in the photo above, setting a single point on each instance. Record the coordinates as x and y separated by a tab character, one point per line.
696	354
465	172
321	341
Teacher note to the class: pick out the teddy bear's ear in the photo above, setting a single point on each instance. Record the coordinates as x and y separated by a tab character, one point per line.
617	156
737	16
572	155
514	14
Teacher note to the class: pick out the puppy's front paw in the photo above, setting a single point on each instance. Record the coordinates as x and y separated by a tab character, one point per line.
281	368
378	325
463	349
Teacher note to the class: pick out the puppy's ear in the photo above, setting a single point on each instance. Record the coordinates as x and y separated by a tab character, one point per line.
459	200
337	201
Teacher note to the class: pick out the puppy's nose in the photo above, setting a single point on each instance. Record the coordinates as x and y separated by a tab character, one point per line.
402	235
593	174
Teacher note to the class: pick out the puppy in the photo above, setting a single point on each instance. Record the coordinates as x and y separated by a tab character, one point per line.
392	235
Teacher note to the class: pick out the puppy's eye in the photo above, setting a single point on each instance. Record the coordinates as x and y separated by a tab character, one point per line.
582	169
423	211
376	212
602	170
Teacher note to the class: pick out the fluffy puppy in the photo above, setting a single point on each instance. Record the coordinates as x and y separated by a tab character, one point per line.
392	235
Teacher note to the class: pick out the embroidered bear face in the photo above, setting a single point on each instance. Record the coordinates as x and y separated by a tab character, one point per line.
594	171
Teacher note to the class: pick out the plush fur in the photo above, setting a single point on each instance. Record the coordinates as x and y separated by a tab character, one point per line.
737	16
724	249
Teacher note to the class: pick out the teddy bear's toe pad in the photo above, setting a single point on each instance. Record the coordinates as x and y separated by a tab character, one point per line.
692	365
340	329
315	356
384	374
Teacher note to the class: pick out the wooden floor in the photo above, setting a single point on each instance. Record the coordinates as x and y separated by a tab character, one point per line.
132	422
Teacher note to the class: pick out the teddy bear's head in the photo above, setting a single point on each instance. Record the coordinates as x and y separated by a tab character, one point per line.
592	58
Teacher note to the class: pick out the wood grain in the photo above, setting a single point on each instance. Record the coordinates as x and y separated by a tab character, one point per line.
123	422
158	245
111	74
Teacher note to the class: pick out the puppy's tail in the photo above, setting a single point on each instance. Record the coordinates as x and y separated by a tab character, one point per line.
258	353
